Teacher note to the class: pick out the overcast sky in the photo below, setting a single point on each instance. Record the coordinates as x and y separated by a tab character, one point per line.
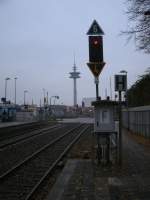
39	37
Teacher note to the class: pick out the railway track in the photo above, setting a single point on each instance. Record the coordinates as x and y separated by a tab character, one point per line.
26	136
12	154
17	130
21	181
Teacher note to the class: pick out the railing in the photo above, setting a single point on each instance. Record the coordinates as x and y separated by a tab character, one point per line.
137	120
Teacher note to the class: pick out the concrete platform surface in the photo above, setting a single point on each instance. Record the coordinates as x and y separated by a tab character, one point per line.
7	124
83	180
77	182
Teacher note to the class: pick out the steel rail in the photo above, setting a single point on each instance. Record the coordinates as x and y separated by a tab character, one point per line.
11	132
18	165
24	137
33	191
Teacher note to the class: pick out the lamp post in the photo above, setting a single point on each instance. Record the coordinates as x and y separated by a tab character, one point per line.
50	101
15	88
125	72
25	91
6	79
44	96
47	99
126	94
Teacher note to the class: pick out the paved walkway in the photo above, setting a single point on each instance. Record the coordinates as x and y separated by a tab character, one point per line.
84	180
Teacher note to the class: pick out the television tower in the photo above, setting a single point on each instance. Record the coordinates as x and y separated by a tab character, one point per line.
74	75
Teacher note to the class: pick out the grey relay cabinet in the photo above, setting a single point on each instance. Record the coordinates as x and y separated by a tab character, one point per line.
105	128
105	114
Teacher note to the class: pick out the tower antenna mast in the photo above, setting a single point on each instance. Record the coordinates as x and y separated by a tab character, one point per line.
74	75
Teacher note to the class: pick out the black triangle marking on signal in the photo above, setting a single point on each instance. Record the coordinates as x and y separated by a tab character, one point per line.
95	29
96	68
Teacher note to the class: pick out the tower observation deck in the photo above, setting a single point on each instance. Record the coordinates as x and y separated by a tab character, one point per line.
74	75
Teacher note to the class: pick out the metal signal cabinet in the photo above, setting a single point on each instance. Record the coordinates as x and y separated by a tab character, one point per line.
104	116
105	130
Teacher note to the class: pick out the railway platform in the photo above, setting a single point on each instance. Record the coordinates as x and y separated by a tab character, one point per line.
84	179
77	182
7	124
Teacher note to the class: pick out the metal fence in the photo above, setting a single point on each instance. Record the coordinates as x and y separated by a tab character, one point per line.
137	120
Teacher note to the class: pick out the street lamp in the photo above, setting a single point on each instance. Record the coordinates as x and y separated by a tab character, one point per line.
44	96
6	79
126	93
15	88
47	99
125	72
25	91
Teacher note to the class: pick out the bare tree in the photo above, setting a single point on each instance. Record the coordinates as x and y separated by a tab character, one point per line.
139	18
138	94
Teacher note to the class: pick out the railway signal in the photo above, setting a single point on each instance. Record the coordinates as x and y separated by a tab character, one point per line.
96	62
95	49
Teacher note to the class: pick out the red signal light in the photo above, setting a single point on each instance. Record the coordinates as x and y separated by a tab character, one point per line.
95	42
95	49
